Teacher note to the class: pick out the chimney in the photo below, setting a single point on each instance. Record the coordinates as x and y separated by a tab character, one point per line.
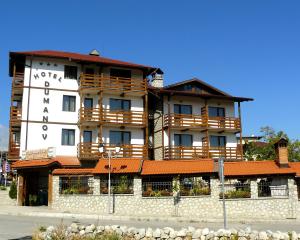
94	53
281	152
157	78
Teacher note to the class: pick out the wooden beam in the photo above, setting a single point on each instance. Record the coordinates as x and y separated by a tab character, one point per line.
21	189
241	137
50	188
147	126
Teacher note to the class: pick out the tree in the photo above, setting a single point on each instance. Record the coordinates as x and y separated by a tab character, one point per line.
13	190
265	150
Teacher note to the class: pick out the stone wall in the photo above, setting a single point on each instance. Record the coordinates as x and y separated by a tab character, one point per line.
207	207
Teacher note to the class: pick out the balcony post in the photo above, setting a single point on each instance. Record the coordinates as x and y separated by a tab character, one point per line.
169	128
241	138
146	128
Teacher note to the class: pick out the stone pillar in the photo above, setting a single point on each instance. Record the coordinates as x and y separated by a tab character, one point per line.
254	188
137	186
215	188
293	198
96	185
55	191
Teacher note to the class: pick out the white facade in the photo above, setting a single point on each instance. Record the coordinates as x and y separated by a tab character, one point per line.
43	118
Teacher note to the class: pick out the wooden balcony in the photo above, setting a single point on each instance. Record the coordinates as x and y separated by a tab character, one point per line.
18	80
90	151
194	121
15	115
113	118
114	85
13	151
196	152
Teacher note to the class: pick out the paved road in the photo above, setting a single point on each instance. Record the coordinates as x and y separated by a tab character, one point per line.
21	227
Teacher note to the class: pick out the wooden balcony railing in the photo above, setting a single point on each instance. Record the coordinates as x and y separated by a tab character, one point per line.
91	151
196	152
229	153
224	123
103	116
203	121
89	114
124	117
112	84
180	152
14	151
185	120
18	80
15	114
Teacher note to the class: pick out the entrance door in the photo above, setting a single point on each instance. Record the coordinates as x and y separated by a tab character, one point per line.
88	108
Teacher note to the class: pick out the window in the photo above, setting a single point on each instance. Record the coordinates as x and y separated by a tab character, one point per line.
69	103
194	186
216	112
217	141
185	140
119	138
87	136
68	137
182	109
76	185
70	72
119	185
122	73
88	102
119	104
157	187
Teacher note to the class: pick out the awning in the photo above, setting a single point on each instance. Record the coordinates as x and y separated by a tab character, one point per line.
120	165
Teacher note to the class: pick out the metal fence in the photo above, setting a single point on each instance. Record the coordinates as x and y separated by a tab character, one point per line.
76	185
120	185
266	189
157	189
194	186
236	190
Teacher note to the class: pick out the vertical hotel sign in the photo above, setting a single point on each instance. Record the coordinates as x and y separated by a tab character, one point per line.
46	99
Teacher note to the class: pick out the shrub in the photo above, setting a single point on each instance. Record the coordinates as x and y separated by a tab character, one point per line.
13	190
2	188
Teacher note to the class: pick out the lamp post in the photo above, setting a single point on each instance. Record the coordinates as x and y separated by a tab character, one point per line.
221	177
109	153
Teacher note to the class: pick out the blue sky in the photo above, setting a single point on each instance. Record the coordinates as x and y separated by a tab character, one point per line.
246	48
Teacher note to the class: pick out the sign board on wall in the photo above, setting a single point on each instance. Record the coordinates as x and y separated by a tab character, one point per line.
38	153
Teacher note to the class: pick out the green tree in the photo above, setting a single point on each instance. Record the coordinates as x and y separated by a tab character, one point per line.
13	190
265	150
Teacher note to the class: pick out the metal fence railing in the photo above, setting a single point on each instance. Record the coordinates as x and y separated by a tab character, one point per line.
120	185
236	190
157	189
194	186
76	185
266	189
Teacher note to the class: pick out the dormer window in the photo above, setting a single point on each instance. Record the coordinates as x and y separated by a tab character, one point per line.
120	73
70	72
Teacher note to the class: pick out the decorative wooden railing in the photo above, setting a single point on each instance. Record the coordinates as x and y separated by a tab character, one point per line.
124	117
91	151
196	152
185	120
15	114
103	116
112	84
180	152
195	120
14	151
18	80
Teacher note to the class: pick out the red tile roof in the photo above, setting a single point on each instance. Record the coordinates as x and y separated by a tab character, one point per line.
121	165
255	168
296	167
177	167
81	57
61	161
73	171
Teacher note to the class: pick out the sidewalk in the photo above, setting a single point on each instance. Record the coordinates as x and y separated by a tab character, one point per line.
44	211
